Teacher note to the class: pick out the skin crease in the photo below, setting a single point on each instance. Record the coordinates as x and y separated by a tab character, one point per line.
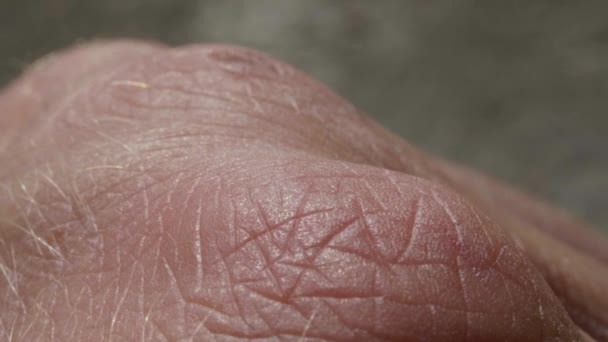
214	193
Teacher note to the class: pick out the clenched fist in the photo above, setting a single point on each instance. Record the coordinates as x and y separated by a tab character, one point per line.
213	193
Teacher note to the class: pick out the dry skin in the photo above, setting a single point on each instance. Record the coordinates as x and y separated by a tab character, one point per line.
214	192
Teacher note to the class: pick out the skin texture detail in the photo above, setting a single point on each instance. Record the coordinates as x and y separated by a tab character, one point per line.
214	193
379	255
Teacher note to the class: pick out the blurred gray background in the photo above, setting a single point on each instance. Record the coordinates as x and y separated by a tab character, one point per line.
518	89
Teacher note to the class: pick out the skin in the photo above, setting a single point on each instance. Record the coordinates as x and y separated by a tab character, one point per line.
215	193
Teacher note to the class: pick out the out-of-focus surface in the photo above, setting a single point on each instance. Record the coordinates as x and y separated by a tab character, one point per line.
518	89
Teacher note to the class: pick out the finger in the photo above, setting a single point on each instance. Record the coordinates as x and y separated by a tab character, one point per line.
223	96
109	227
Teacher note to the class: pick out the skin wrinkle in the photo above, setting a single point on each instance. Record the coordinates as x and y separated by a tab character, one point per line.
302	160
462	284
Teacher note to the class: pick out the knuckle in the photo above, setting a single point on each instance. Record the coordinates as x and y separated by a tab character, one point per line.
337	245
336	250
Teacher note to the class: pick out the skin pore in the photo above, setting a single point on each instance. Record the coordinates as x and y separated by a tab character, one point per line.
215	193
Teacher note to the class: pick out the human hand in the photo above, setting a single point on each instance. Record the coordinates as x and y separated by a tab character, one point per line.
212	192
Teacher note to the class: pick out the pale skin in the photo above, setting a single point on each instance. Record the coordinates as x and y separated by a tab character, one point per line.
214	193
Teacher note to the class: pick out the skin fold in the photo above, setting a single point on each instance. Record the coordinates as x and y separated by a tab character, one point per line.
212	192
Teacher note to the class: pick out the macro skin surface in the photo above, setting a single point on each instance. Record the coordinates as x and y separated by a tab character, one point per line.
214	193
